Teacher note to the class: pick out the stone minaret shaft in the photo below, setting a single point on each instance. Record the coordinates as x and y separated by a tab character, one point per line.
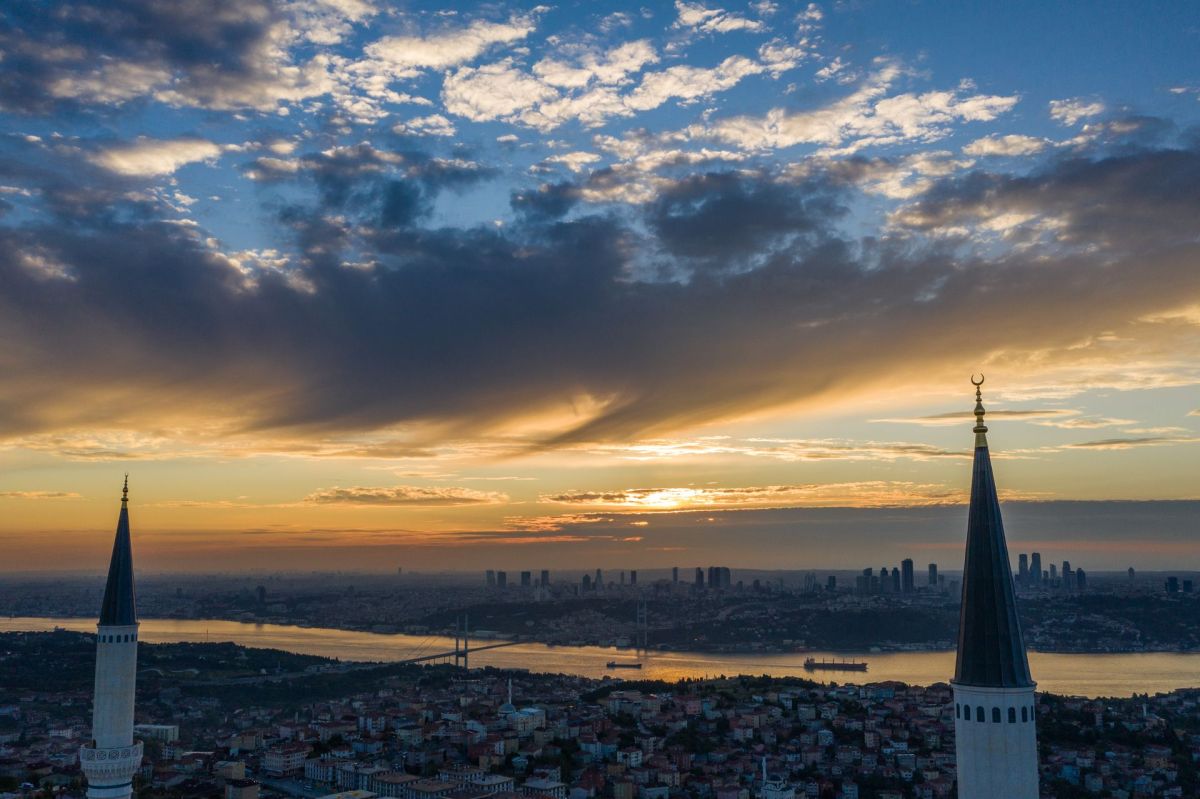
994	728
113	757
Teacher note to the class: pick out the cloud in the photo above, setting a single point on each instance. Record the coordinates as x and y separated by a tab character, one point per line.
541	325
39	495
222	55
688	83
720	218
494	91
1070	112
898	178
591	67
955	418
1087	423
597	87
370	81
431	125
152	157
404	495
867	116
1131	443
784	449
576	161
1010	145
406	56
1058	201
864	494
712	20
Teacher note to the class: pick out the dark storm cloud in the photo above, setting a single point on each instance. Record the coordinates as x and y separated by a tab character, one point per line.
397	186
210	53
383	321
547	202
1126	201
723	217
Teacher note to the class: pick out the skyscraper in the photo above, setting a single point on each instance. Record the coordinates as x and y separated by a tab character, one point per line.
908	583
526	579
719	577
598	581
633	577
699	582
502	579
933	576
674	574
1035	568
996	740
545	578
112	757
1023	569
490	577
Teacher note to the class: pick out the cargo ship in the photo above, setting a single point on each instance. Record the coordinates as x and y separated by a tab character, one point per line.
612	664
834	665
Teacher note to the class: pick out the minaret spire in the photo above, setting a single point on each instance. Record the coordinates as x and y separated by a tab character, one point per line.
112	758
995	736
119	606
991	650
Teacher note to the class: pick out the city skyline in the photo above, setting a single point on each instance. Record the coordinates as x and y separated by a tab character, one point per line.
350	286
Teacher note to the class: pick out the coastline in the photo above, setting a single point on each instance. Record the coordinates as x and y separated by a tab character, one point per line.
1092	675
883	648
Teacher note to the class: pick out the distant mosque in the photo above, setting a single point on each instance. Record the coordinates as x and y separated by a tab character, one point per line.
994	724
774	788
112	757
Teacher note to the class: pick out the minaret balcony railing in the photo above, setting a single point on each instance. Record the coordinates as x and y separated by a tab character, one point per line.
117	763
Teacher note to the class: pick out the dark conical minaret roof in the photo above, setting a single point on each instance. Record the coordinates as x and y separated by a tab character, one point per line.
991	651
119	607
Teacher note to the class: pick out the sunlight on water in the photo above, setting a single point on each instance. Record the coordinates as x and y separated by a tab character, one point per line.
1087	675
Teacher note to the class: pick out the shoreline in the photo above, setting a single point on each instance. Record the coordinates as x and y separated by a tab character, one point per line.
733	650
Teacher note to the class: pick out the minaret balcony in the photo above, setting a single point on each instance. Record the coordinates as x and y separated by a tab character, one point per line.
110	766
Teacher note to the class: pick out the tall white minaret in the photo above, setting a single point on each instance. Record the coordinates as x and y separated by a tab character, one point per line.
994	728
113	757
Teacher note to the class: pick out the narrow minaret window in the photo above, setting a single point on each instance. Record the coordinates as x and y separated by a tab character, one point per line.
113	757
995	760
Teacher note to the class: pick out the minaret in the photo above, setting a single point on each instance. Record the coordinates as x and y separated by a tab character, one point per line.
113	757
995	736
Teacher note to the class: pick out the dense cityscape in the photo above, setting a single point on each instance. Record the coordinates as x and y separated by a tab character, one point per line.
214	722
765	611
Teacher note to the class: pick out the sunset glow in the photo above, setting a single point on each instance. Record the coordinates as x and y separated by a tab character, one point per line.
363	284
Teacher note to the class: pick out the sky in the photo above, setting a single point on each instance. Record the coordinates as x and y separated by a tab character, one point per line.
346	284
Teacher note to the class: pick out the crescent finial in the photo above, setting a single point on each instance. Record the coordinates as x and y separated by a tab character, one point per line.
980	383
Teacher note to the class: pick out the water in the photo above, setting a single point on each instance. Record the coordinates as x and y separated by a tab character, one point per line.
1082	675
